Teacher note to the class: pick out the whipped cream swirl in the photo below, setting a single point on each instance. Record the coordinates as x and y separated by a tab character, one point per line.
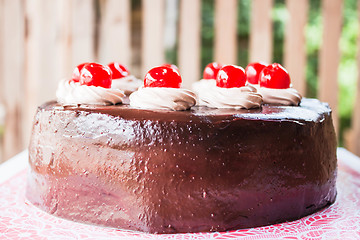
243	97
201	85
287	96
128	84
70	93
198	86
176	99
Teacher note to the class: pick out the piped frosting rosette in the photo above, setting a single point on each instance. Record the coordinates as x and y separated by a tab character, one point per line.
202	84
230	91
241	97
162	90
128	84
273	83
90	84
209	78
176	99
122	79
287	96
71	93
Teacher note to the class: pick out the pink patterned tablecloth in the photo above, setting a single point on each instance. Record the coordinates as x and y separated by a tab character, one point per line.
21	220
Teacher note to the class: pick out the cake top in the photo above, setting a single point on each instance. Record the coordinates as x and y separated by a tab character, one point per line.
308	110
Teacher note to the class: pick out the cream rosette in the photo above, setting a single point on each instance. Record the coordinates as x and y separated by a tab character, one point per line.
128	84
203	83
242	97
287	96
71	93
175	99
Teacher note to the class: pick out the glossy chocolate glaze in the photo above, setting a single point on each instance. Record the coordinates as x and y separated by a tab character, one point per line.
198	170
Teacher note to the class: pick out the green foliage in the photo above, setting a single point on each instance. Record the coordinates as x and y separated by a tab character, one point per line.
171	55
313	33
348	70
243	29
279	16
207	32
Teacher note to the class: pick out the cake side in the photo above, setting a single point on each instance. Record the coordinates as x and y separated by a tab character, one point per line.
200	170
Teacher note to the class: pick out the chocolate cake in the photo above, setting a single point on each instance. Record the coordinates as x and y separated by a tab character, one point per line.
203	169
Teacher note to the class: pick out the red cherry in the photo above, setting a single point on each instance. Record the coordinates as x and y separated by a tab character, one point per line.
118	70
94	74
76	72
253	70
163	77
171	65
231	76
274	76
211	70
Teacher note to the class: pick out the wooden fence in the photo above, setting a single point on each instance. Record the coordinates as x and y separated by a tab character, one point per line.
41	41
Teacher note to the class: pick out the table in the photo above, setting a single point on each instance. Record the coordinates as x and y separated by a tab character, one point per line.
21	220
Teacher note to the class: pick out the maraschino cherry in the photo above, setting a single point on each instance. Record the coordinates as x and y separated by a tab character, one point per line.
231	76
211	70
163	77
95	74
253	71
171	65
76	72
118	70
274	76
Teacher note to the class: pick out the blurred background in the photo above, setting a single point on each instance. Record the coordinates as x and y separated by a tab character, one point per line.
41	41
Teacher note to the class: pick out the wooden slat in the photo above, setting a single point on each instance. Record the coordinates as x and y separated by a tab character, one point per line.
261	31
64	43
189	41
82	31
49	59
76	34
171	25
115	32
225	31
33	63
13	75
330	55
152	34
295	44
352	136
44	58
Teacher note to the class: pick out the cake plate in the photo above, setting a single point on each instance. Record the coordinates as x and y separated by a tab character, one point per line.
21	220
